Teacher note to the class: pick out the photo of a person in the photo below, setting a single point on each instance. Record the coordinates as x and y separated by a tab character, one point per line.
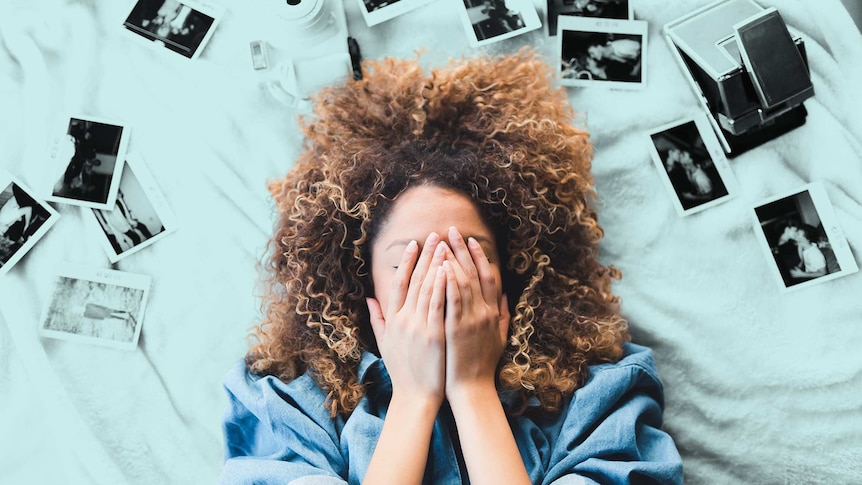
95	305
602	56
21	216
121	227
89	174
797	239
492	18
179	26
689	166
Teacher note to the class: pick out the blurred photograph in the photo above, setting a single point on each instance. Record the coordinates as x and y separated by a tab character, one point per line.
595	52
692	164
800	234
489	21
182	27
23	221
98	306
91	153
140	216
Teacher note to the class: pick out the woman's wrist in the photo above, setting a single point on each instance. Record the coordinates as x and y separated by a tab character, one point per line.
472	395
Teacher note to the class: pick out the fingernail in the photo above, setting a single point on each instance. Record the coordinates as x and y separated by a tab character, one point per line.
473	243
433	238
441	248
411	245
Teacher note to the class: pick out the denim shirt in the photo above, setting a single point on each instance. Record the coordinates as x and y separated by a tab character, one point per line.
609	431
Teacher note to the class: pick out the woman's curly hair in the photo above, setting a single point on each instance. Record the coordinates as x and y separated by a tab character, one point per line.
493	129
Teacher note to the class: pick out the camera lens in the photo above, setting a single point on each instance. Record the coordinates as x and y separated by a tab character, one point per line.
293	3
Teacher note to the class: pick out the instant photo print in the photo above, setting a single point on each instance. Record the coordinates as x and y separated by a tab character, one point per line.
802	239
140	217
490	21
86	157
24	219
748	70
692	164
183	27
602	52
96	306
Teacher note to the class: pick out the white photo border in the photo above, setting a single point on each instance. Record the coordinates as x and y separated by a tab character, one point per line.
6	179
716	152
58	166
103	276
388	12
603	26
142	174
216	12
547	8
525	7
837	239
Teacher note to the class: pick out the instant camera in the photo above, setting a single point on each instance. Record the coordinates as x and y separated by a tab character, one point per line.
748	71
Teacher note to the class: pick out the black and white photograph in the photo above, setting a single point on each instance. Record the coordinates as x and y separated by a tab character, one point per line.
692	164
602	52
377	11
489	21
23	221
802	239
97	306
182	27
140	217
608	9
89	159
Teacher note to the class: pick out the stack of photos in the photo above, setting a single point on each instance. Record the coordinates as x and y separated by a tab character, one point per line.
801	238
23	220
607	9
377	11
489	21
692	164
183	27
602	52
98	306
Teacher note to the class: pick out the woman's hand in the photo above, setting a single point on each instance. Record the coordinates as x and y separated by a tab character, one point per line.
477	322
477	318
412	343
411	335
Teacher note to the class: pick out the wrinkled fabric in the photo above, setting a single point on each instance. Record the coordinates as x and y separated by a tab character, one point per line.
609	431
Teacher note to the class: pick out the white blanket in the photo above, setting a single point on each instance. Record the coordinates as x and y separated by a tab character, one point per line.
761	386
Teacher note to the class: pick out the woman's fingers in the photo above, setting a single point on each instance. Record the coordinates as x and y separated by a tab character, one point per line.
462	253
487	280
437	305
419	271
454	305
400	284
427	289
375	313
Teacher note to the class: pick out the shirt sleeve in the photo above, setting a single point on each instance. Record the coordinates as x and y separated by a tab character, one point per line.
277	433
611	431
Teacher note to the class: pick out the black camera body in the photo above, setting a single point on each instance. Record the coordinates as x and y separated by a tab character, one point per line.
748	71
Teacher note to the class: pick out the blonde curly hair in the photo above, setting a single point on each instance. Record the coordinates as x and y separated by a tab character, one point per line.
492	128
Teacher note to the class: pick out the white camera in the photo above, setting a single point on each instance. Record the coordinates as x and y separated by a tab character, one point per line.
305	47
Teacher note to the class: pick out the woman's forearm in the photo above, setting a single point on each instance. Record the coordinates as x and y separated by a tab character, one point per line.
402	449
489	447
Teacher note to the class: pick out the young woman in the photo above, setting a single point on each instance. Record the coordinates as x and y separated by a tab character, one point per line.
436	310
